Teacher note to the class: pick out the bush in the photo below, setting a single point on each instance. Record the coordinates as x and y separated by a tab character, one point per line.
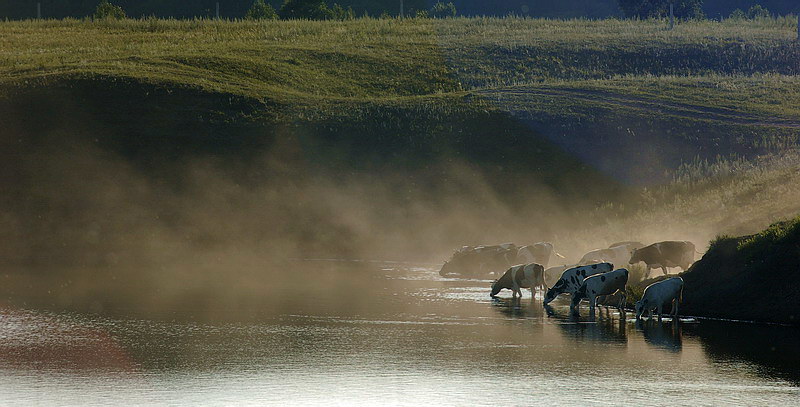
443	10
660	8
261	11
421	14
106	10
305	9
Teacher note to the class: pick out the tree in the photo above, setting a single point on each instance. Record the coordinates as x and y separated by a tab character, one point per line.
305	9
757	12
340	13
106	10
261	11
737	14
660	8
443	10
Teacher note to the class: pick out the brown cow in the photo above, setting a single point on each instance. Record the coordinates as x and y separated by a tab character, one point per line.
665	254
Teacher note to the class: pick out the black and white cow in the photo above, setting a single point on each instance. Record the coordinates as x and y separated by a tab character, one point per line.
572	279
599	285
518	277
538	253
665	254
658	294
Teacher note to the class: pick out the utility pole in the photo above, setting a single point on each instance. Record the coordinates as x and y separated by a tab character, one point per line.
671	17
38	11
798	26
217	14
401	9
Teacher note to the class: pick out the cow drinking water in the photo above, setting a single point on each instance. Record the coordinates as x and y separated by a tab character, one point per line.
518	277
599	285
657	294
572	279
665	254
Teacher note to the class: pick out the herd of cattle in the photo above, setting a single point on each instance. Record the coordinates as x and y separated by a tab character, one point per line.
592	278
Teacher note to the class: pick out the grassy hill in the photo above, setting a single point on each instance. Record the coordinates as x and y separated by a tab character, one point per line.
750	277
705	88
467	124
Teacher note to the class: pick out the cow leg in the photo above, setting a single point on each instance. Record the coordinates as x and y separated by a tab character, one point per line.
660	309
675	315
664	269
592	302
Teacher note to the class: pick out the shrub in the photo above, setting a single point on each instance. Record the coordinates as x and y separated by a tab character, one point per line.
106	10
737	14
305	9
261	11
443	10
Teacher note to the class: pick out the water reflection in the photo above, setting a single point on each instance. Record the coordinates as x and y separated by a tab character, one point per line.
773	350
411	336
664	336
519	307
606	327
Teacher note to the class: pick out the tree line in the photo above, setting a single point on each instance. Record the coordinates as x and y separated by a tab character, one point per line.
344	9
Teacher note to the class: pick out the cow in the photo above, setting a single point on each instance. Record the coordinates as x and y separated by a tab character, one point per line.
538	253
480	260
518	277
572	279
657	294
665	254
616	255
553	273
599	285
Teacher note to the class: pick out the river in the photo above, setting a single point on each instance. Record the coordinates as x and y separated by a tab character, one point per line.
408	337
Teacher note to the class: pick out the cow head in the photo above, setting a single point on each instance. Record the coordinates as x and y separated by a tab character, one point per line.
640	307
446	268
553	292
635	257
496	288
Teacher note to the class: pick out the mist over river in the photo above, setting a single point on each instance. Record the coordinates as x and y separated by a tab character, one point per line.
407	337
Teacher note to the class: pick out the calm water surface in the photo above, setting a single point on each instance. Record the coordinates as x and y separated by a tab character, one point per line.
408	338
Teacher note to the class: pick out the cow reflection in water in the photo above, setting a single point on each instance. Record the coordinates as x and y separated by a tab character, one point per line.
608	328
518	308
667	336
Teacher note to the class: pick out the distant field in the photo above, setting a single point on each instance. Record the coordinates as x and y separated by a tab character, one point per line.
373	59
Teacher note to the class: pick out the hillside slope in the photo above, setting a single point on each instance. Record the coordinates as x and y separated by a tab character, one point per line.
752	277
341	130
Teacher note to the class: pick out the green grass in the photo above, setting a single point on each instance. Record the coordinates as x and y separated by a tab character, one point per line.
373	59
